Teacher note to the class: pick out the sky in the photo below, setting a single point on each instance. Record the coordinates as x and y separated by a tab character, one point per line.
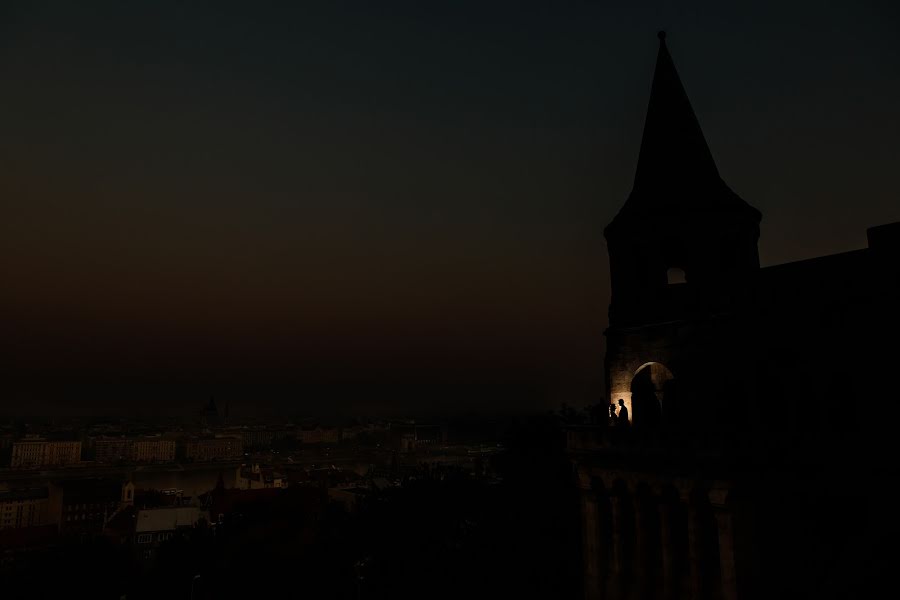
369	206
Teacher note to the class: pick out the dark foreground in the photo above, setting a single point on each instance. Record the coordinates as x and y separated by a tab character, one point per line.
443	533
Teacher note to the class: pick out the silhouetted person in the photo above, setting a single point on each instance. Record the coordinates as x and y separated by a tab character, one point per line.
613	420
622	417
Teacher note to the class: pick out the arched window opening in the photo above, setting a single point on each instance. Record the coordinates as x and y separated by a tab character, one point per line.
675	275
652	395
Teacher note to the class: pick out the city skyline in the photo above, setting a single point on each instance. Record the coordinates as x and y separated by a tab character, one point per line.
456	299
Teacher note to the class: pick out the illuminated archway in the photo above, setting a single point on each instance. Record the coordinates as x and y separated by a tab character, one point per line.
651	394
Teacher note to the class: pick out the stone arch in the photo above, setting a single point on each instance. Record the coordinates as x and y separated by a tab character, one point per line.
651	393
622	370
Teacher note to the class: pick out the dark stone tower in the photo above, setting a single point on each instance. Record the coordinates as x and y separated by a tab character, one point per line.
762	401
682	249
679	215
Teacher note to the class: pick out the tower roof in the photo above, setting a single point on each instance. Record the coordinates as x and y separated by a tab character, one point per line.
676	173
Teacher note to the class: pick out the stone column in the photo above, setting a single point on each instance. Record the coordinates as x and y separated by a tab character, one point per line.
590	536
667	543
648	544
617	506
621	579
641	547
695	549
725	527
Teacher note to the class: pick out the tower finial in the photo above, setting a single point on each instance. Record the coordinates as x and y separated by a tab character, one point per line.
676	172
661	34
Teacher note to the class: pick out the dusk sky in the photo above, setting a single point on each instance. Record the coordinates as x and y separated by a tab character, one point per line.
365	204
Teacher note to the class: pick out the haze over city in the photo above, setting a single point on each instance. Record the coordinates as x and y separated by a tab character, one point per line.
352	201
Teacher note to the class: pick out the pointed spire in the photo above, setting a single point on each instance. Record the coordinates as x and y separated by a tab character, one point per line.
676	172
673	148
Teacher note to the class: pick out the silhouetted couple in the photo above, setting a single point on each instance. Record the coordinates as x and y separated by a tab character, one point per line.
619	419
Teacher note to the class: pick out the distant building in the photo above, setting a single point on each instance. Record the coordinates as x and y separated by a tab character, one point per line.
280	435
23	507
430	435
215	448
409	437
155	526
84	505
210	417
143	449
28	454
112	450
348	433
59	453
350	489
153	449
332	477
258	438
272	509
256	477
406	438
32	453
318	434
349	498
144	530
